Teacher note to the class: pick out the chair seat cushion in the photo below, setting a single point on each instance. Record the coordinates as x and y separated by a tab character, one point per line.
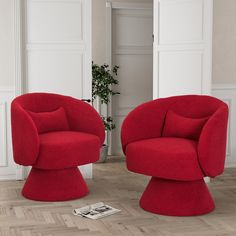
66	149
169	158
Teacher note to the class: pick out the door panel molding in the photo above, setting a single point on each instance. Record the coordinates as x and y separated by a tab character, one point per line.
129	5
170	35
125	49
71	37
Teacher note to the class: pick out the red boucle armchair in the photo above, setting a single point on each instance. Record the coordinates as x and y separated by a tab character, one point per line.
178	141
54	134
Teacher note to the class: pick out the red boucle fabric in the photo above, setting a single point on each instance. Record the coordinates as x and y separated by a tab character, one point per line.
55	185
177	159
177	198
172	158
67	149
182	127
78	133
50	121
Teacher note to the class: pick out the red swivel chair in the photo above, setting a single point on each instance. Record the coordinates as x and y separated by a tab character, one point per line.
178	141
54	134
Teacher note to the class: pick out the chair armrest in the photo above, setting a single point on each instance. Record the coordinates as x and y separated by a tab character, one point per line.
83	117
25	137
144	122
212	143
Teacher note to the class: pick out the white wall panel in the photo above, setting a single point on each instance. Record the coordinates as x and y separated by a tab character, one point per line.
133	77
125	21
132	51
182	47
55	21
181	21
60	71
180	72
58	46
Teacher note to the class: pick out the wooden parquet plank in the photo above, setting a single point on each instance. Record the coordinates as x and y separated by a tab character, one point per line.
122	189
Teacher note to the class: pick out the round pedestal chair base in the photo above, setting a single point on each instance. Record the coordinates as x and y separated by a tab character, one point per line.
54	185
177	198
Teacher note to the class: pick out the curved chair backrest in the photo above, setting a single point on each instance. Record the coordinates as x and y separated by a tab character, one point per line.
147	121
81	117
41	102
194	106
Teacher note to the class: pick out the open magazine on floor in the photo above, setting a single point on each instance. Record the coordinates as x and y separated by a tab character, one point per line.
95	211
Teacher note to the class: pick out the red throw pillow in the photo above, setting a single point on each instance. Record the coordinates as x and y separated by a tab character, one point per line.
50	121
182	127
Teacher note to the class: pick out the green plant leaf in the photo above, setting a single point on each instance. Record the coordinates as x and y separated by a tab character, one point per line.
103	80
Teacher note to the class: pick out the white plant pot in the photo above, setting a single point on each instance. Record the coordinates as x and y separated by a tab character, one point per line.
103	154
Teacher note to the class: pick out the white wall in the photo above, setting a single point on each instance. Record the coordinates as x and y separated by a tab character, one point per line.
224	69
227	93
224	41
6	43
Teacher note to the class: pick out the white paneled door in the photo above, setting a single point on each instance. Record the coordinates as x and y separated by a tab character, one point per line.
58	46
132	51
182	47
58	49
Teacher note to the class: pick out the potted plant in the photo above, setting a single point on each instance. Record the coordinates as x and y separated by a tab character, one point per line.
103	80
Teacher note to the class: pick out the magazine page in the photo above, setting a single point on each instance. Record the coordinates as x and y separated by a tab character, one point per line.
95	211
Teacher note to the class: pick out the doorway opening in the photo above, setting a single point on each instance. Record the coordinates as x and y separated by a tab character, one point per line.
131	48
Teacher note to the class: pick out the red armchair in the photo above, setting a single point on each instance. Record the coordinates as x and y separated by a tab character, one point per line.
178	141
54	134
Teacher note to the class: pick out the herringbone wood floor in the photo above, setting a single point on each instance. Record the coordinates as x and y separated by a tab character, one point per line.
114	185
